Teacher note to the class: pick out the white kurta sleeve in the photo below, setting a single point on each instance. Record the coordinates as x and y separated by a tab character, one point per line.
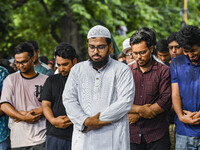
71	102
126	91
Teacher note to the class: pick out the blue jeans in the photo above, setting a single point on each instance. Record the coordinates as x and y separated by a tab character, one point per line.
55	143
5	145
187	142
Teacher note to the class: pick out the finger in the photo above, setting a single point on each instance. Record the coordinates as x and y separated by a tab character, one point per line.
66	119
86	130
191	114
196	120
104	122
62	117
97	115
186	112
69	123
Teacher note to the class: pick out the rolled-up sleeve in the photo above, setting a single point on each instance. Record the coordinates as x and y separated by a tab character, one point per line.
164	100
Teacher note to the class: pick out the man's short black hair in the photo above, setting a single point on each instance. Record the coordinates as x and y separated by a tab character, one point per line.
35	45
188	36
162	46
172	37
144	34
24	47
65	50
151	32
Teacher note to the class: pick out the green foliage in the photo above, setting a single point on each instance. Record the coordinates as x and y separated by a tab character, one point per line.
34	21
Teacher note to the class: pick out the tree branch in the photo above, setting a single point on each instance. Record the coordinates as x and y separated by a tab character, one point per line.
53	26
45	7
19	3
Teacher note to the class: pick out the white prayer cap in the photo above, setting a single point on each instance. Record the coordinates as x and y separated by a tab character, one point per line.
126	45
99	31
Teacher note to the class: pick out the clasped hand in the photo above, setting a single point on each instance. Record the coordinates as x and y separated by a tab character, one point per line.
61	122
192	118
29	116
93	123
146	112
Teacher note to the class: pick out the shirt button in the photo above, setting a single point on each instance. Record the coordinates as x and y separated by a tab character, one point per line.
141	96
97	78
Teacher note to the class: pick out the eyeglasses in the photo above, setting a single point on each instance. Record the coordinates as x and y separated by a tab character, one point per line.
129	55
142	53
176	47
99	48
22	63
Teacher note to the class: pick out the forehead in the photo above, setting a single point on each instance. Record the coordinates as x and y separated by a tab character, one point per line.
163	53
21	56
129	51
60	60
139	46
97	41
173	43
195	47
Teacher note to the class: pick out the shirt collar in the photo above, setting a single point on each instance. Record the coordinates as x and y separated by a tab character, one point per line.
152	66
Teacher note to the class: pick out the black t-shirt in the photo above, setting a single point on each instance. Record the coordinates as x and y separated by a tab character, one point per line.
52	91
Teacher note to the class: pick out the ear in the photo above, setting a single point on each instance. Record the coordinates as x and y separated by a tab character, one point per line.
38	51
34	58
151	49
111	49
75	61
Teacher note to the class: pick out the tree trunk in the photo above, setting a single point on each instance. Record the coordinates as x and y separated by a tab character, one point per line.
70	33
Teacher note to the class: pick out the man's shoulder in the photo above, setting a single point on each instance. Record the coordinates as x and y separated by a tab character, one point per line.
43	76
2	69
45	66
133	65
179	60
44	69
162	65
81	65
117	64
3	72
54	77
42	66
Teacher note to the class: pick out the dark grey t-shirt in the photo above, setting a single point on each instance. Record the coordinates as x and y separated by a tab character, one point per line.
52	91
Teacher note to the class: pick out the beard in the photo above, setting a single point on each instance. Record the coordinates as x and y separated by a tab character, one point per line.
99	64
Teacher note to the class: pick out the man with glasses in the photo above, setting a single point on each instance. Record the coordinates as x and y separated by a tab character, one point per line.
174	48
127	51
97	97
19	100
185	81
149	126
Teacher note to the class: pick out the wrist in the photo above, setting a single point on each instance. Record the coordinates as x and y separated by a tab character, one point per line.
86	122
52	120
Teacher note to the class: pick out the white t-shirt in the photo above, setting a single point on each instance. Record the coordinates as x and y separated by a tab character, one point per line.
23	94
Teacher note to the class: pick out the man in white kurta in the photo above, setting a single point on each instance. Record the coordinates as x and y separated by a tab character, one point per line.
107	88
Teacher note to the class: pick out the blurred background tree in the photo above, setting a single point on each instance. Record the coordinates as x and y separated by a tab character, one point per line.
51	22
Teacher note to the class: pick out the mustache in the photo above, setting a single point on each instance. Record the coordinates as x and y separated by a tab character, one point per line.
96	55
